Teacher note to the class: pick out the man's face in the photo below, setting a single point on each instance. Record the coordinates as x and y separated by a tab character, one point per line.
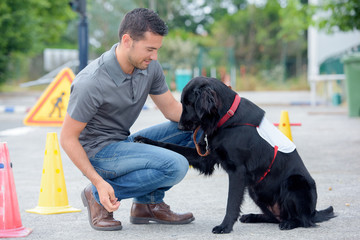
142	52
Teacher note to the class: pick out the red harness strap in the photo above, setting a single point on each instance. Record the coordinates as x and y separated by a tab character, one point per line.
226	117
269	168
231	111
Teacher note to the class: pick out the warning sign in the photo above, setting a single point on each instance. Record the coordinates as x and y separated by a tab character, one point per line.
51	107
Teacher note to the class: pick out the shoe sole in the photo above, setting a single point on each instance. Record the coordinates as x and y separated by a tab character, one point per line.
85	202
139	220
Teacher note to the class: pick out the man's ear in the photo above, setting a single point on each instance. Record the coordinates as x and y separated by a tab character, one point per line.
126	40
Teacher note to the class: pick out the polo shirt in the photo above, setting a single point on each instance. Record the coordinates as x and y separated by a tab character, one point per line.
109	100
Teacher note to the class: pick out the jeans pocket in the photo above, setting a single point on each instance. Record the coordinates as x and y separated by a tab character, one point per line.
106	174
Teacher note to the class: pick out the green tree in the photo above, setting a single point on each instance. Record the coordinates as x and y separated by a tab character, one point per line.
294	21
104	18
28	26
180	49
265	36
344	14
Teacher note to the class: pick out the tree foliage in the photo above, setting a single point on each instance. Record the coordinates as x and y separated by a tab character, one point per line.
260	36
344	14
27	26
104	17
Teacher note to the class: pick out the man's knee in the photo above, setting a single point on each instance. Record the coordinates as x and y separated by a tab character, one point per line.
180	167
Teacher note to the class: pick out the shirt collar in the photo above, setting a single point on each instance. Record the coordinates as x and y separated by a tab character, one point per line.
114	70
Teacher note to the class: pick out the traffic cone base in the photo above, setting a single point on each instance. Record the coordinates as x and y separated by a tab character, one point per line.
17	232
53	210
53	196
10	219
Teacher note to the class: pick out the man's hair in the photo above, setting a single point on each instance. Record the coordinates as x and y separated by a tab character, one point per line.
139	21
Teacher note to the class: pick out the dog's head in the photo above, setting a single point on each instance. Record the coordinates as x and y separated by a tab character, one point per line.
202	103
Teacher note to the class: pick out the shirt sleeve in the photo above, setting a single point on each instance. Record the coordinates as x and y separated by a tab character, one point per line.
159	85
85	99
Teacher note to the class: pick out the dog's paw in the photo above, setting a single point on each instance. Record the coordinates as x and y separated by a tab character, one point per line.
288	225
247	218
221	229
141	139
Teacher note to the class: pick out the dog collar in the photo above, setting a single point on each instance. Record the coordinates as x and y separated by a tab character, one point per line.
231	111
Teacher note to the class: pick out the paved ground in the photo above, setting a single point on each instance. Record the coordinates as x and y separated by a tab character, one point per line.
328	142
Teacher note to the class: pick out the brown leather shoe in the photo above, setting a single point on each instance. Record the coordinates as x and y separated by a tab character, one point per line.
99	217
160	213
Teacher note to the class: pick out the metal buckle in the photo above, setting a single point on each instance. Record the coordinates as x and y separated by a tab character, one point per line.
230	113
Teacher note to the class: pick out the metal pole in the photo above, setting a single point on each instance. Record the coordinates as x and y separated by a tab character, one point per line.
83	42
152	5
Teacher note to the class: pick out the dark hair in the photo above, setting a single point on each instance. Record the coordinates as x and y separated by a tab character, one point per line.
141	20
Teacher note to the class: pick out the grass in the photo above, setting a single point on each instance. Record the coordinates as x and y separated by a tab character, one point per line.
254	83
6	88
247	83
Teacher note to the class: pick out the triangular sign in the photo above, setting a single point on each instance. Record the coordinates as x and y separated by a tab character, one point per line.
51	107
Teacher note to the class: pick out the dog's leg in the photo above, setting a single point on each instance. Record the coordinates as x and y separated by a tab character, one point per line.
257	218
187	152
299	203
235	198
270	214
204	164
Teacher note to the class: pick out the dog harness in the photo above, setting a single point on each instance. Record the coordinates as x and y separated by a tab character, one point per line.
266	131
276	139
274	136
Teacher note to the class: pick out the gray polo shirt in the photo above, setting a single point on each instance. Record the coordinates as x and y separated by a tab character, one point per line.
109	100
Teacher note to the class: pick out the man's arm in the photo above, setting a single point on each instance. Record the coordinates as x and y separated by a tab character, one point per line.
168	105
69	139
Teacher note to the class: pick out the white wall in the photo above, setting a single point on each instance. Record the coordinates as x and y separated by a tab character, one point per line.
322	45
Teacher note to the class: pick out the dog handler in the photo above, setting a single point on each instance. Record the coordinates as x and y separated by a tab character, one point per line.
106	99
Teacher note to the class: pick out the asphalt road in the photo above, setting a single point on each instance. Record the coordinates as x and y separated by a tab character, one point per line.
328	141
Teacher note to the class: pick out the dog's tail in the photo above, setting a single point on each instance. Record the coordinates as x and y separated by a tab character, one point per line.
323	215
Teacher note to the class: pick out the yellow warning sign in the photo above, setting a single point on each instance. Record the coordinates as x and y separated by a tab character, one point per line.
51	107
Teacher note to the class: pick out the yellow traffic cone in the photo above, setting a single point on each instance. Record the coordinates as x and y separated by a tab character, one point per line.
284	125
53	196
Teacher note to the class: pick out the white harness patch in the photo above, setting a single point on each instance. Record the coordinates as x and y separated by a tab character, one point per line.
275	137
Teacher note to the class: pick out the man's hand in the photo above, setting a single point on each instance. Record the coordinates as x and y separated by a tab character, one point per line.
107	196
69	139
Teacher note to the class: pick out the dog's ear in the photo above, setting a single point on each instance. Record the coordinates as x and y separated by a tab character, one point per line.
205	101
206	107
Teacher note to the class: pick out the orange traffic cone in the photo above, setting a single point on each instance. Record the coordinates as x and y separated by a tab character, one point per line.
53	196
284	125
10	221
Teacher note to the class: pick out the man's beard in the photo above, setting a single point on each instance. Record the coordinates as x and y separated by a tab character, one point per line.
136	64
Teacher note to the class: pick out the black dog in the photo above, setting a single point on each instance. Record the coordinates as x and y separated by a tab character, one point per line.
252	151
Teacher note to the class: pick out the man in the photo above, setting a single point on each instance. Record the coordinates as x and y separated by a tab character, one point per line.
106	98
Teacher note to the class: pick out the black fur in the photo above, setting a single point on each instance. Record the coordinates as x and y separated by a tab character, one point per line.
287	195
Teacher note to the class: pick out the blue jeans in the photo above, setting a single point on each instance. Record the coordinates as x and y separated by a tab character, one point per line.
140	171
